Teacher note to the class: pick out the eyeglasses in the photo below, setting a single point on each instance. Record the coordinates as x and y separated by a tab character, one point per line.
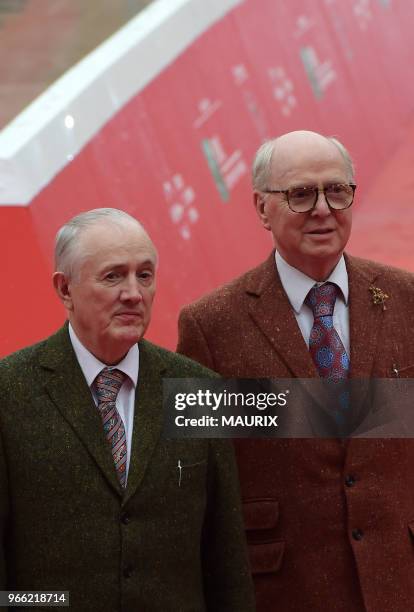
338	196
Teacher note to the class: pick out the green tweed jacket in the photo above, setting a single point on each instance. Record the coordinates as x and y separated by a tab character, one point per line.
65	524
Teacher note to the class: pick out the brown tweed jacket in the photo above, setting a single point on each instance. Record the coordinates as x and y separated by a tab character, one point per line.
163	545
330	524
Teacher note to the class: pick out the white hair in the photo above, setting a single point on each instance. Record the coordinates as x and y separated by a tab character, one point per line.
263	161
67	256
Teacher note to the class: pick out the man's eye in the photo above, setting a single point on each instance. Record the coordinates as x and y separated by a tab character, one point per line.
112	276
300	193
145	276
338	188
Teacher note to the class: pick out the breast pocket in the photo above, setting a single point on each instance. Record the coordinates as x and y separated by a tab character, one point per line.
191	474
182	497
404	372
266	552
411	530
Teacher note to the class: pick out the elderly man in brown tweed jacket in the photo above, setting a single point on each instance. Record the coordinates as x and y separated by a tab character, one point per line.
330	522
94	500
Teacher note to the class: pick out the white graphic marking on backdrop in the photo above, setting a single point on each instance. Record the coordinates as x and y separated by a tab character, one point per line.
206	109
282	89
180	198
227	169
240	76
363	13
320	73
303	24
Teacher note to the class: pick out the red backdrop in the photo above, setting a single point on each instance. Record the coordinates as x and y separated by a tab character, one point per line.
177	156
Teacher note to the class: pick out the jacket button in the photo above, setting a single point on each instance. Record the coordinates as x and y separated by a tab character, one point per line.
357	534
125	519
350	480
128	571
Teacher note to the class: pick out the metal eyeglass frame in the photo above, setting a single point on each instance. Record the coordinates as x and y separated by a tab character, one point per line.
316	191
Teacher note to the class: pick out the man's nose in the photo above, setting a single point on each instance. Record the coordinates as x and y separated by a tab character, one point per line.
321	207
131	290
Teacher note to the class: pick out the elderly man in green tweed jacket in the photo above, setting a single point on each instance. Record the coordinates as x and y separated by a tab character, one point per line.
93	500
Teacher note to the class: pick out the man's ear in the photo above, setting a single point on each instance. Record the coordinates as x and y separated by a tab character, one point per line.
259	200
62	288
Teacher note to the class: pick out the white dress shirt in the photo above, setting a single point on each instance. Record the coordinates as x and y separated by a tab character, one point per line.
125	401
297	286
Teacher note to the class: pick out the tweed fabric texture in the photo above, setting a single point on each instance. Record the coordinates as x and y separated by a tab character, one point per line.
304	498
67	524
107	384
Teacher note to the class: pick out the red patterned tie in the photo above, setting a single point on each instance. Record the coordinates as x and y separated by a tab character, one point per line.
107	385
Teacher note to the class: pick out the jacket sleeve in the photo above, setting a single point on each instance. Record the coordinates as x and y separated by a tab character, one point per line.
227	579
192	341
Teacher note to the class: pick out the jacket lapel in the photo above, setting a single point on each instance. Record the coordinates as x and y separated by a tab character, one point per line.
271	311
67	388
148	415
365	322
365	318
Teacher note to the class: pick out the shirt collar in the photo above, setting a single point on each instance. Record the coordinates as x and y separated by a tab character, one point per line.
297	285
91	366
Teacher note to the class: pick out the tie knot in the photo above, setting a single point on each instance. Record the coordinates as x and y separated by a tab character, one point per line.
108	383
321	299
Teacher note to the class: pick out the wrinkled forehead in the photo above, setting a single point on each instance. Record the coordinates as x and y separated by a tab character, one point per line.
107	238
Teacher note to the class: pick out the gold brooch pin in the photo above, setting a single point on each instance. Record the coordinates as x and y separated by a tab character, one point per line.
378	296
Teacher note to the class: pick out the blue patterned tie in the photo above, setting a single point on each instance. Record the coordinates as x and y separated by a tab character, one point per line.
326	348
107	385
325	345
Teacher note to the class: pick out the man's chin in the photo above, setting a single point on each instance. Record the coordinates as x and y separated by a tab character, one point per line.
130	334
127	334
322	250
